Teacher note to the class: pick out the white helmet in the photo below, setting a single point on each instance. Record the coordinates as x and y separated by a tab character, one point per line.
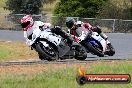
26	22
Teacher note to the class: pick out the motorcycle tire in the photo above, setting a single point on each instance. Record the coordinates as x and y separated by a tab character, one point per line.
45	54
111	51
93	50
83	56
44	58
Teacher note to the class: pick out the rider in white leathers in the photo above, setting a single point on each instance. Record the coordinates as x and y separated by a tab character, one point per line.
32	27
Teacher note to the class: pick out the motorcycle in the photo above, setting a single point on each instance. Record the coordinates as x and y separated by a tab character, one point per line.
96	45
50	46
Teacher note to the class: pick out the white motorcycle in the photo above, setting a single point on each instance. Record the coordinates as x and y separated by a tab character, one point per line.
53	47
95	44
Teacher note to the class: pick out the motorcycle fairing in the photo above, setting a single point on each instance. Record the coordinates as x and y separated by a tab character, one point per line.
56	40
97	37
51	37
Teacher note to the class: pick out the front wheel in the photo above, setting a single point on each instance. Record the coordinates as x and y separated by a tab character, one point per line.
46	52
95	50
111	50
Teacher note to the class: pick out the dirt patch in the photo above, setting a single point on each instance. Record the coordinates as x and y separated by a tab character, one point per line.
34	69
31	69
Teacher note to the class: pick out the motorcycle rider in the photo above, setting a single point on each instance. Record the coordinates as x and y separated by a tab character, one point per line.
80	31
84	27
29	26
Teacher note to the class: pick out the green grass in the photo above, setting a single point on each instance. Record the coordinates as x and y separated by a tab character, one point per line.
14	51
66	77
4	53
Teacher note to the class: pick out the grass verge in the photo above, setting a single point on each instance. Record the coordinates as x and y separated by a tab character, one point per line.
60	75
15	50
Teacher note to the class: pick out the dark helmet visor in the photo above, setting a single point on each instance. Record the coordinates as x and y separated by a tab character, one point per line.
24	25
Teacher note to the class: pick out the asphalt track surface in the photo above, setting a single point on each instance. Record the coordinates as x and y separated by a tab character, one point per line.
122	43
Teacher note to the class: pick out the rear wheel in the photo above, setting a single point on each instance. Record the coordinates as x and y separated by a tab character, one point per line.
81	57
80	54
46	52
95	50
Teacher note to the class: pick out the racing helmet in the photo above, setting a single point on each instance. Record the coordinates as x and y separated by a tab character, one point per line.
70	22
26	22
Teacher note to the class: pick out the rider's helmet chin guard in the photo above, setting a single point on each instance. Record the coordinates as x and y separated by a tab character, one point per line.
26	22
